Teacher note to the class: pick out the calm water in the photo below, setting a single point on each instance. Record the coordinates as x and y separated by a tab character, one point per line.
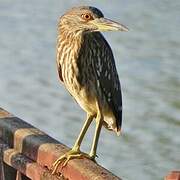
147	58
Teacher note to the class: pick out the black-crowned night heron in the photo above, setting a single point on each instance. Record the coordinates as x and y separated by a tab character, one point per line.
87	69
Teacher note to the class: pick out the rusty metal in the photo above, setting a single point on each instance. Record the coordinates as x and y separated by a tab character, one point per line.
173	175
28	153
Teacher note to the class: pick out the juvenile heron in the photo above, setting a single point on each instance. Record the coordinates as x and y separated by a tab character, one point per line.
87	69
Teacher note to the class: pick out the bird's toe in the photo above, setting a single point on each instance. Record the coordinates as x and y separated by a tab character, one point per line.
64	159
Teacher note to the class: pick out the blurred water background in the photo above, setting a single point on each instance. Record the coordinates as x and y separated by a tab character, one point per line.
147	59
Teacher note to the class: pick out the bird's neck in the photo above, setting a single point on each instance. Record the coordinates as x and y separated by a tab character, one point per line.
75	44
75	55
69	40
70	44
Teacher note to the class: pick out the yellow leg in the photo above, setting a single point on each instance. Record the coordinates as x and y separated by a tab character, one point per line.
99	121
84	129
75	151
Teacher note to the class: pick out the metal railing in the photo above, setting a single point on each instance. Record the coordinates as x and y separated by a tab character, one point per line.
28	153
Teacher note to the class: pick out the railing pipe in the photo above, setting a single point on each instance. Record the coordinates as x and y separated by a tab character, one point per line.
28	153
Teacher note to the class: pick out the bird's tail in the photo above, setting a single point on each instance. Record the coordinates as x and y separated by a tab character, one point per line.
110	124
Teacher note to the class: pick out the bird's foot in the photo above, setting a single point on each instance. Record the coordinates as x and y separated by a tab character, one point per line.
72	154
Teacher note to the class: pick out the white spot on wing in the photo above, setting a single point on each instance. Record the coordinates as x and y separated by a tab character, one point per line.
98	73
98	84
109	76
109	94
100	68
106	73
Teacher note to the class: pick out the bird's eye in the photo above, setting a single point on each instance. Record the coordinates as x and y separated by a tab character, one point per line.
86	17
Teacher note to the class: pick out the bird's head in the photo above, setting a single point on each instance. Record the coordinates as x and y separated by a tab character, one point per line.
88	19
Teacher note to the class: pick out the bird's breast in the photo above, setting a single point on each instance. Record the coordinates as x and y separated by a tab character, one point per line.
77	81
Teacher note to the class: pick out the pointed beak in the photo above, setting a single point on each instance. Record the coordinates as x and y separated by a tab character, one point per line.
104	24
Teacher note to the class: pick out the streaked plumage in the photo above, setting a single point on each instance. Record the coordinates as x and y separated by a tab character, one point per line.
87	68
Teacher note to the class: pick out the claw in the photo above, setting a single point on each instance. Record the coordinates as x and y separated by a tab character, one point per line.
57	162
66	157
71	157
